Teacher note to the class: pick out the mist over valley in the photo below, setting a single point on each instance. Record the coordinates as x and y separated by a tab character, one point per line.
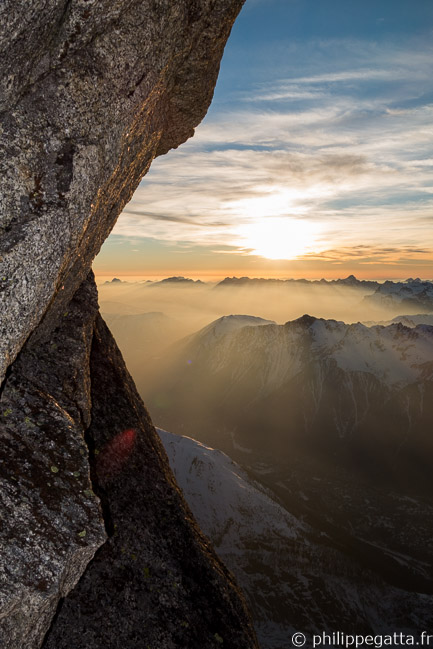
329	414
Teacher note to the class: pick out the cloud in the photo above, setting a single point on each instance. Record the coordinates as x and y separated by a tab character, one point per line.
364	254
348	150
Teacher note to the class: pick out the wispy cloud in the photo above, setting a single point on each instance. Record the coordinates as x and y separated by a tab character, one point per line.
349	151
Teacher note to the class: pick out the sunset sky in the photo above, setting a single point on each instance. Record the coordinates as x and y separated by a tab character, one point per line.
315	159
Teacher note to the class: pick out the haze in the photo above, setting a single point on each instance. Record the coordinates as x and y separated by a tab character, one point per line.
146	318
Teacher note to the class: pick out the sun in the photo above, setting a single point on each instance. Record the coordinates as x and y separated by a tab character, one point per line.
278	237
275	223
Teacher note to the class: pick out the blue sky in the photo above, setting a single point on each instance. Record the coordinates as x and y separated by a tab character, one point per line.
315	158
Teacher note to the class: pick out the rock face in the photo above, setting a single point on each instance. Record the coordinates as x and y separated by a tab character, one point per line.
157	579
51	521
156	582
90	92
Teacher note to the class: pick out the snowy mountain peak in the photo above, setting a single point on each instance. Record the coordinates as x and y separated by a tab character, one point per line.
230	323
395	354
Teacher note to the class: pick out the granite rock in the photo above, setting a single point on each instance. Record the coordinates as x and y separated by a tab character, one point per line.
90	92
157	581
51	518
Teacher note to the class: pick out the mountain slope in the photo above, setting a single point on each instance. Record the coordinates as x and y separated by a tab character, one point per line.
293	573
227	325
316	386
335	419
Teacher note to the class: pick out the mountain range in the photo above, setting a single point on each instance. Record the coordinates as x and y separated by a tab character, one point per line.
334	419
350	281
411	295
359	396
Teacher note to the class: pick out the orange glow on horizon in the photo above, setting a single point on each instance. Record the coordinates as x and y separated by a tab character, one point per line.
379	273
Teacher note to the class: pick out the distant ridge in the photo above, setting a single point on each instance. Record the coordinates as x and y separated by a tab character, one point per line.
351	281
115	280
413	293
178	280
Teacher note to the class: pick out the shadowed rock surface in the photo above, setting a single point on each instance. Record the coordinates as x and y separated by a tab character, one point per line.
90	92
157	581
